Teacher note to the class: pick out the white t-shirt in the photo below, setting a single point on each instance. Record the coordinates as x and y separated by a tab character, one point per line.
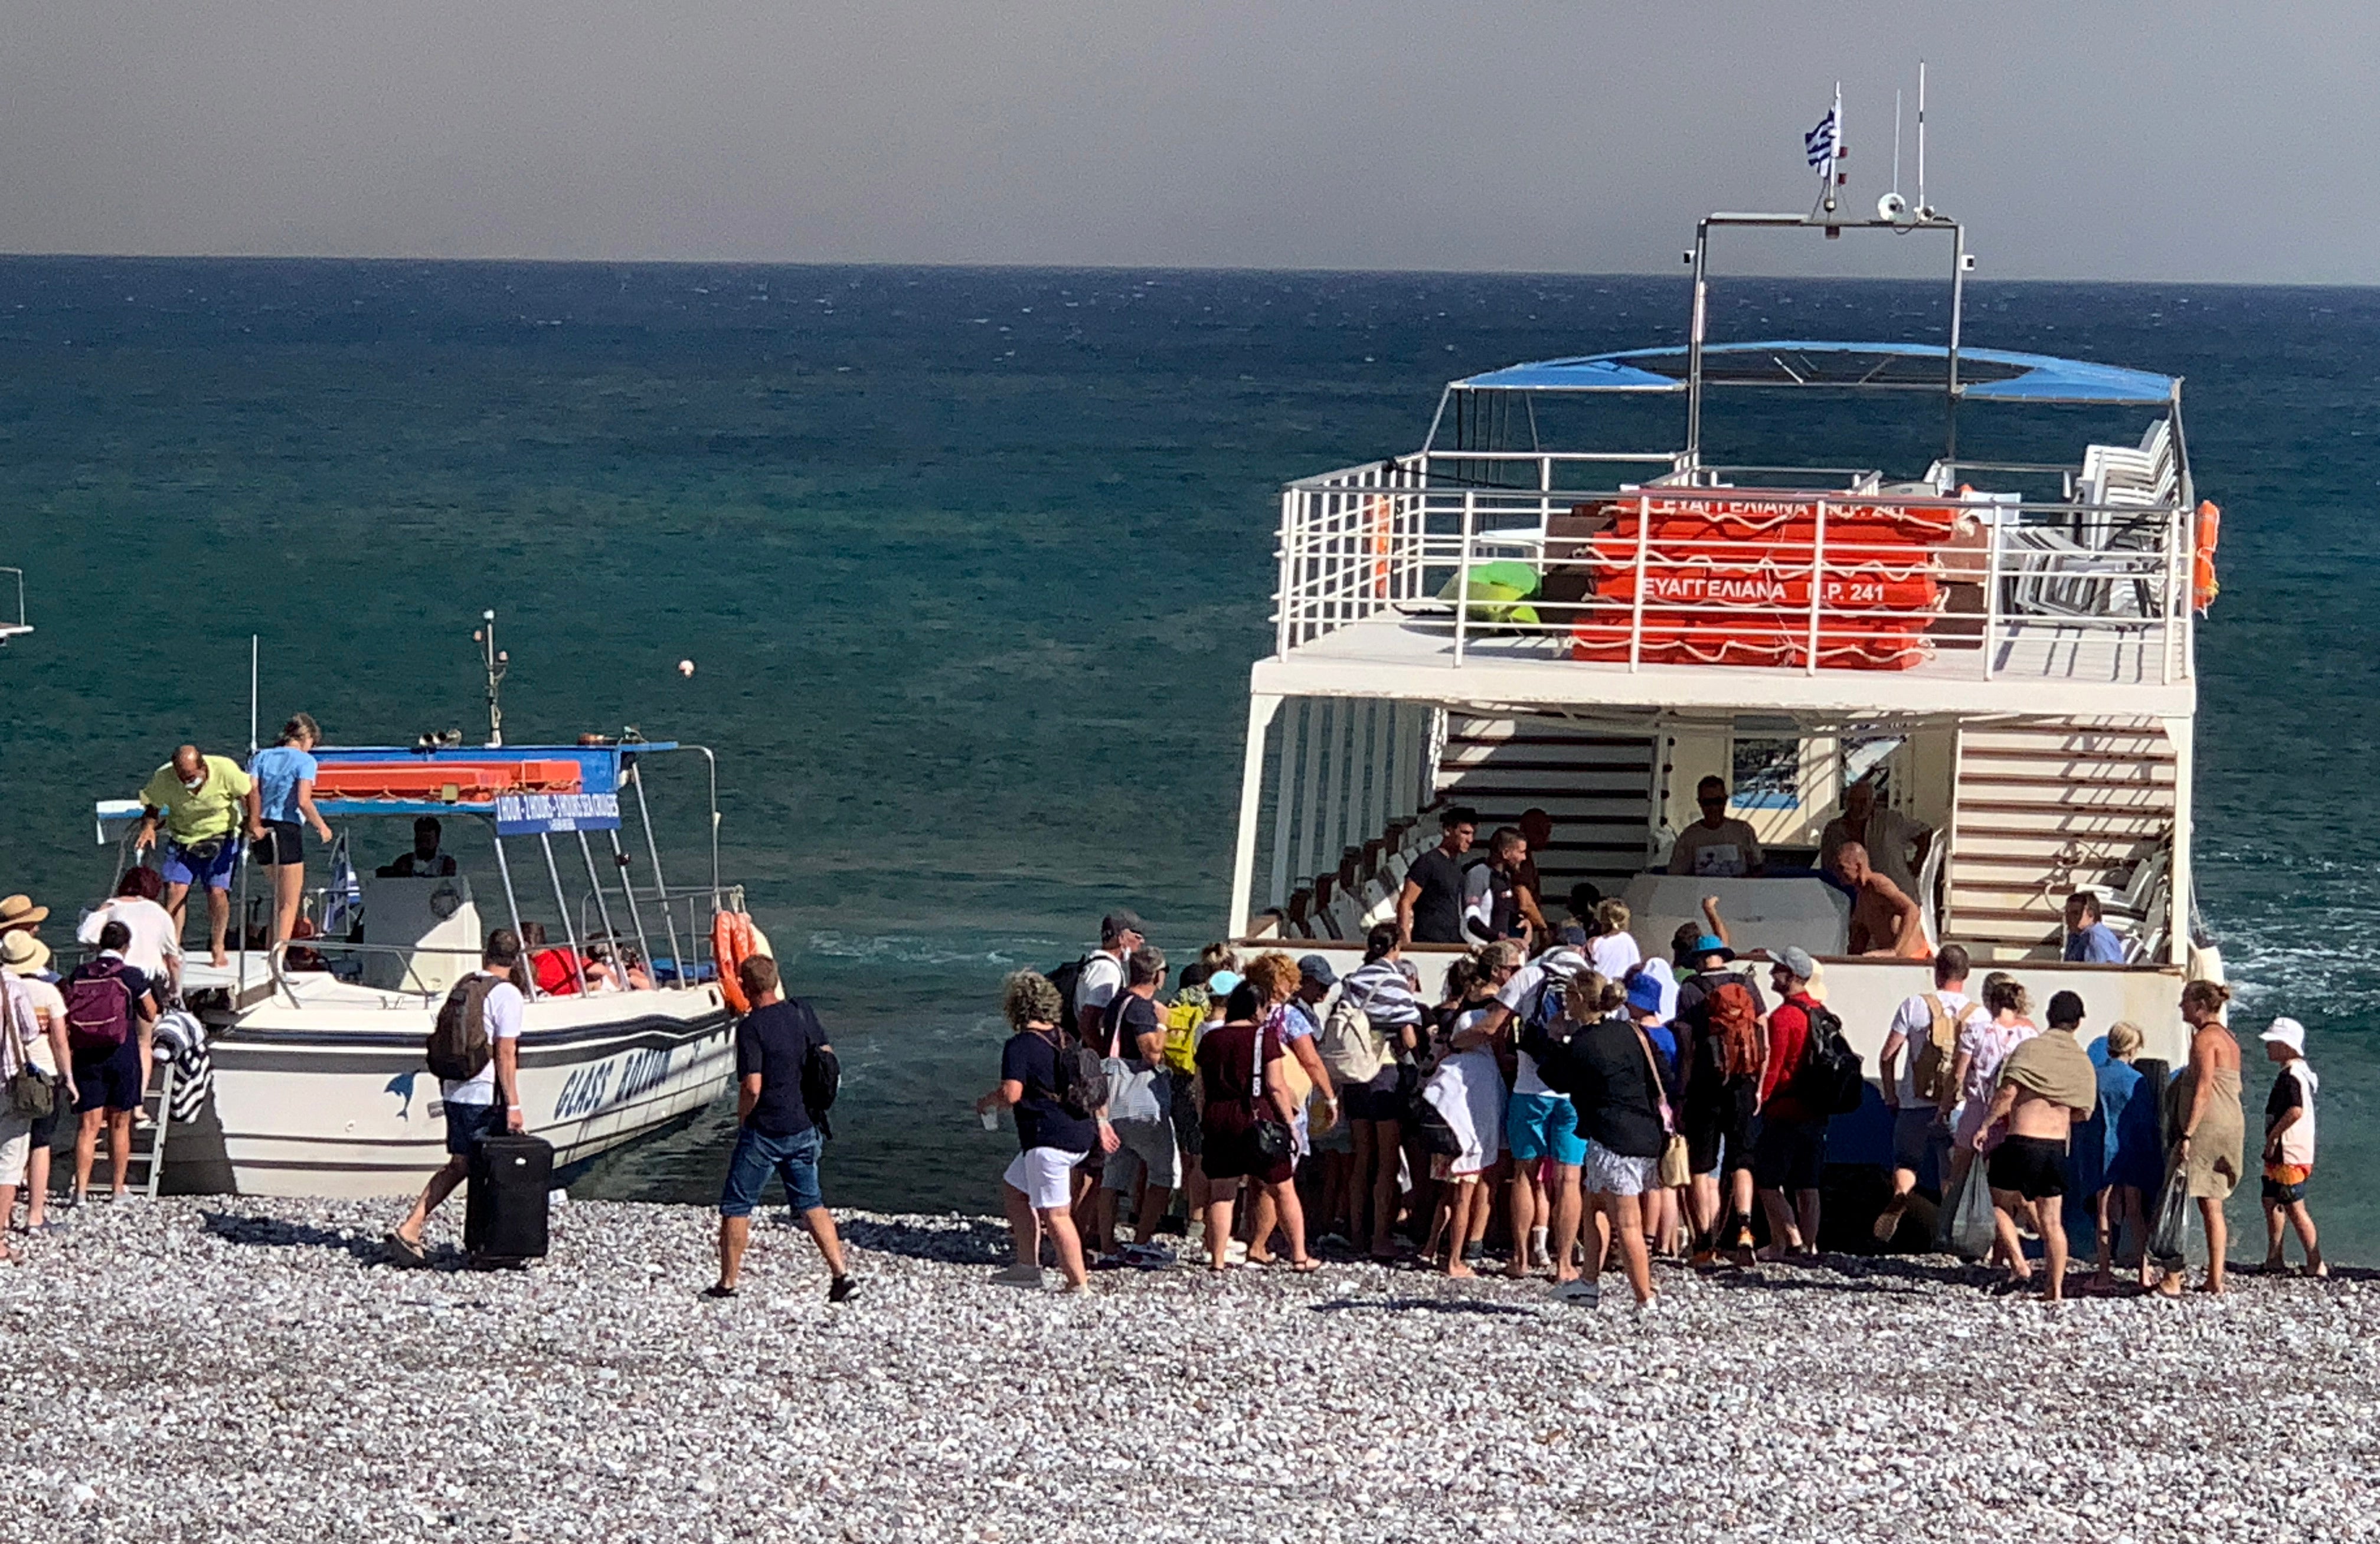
1913	1022
49	1007
1516	995
501	1013
154	937
1729	850
20	1027
1102	979
1614	955
2297	1142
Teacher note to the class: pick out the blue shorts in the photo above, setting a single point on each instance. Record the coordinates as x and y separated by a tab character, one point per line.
111	1078
466	1124
792	1158
1544	1125
183	866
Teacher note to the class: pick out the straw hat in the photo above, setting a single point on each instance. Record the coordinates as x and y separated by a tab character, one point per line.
23	955
19	911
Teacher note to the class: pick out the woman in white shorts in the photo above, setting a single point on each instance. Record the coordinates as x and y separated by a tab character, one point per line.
1607	1068
1053	1141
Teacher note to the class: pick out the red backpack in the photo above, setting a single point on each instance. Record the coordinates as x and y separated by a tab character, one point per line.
99	1006
1735	1025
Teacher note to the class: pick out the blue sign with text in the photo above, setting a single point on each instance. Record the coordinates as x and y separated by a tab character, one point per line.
538	814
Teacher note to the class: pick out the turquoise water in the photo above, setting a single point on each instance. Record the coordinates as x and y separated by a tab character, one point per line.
972	565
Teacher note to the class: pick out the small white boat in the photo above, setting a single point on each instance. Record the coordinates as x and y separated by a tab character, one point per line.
319	1086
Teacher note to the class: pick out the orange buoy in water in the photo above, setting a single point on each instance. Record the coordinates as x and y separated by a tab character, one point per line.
2203	585
730	945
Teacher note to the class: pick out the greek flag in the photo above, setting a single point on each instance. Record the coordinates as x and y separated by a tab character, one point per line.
1820	143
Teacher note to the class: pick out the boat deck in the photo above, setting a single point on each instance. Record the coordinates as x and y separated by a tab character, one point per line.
1396	655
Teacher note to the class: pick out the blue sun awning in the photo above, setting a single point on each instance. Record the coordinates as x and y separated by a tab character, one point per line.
1989	374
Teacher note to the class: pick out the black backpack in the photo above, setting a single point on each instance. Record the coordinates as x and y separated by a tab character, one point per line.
1081	1078
822	1080
457	1049
1831	1081
1067	978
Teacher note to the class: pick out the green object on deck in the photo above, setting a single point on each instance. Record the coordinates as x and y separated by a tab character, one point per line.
1493	588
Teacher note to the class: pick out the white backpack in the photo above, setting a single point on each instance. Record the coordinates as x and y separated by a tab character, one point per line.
1352	1047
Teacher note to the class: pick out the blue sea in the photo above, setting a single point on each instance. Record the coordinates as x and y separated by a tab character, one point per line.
972	565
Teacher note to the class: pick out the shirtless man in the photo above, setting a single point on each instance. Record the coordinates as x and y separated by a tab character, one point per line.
2046	1085
1886	923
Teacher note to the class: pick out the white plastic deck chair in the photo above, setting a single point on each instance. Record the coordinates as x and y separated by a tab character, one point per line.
1346	920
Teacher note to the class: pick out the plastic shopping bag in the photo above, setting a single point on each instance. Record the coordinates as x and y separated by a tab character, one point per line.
1971	1229
2171	1240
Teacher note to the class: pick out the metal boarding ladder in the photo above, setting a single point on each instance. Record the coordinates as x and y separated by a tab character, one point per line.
147	1159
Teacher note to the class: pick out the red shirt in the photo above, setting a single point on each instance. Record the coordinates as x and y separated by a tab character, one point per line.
555	974
1788	1043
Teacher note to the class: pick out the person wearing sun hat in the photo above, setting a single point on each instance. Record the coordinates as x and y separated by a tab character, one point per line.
26	961
17	913
2288	1145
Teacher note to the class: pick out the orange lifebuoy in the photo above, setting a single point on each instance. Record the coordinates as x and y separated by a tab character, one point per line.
1376	518
2202	586
730	945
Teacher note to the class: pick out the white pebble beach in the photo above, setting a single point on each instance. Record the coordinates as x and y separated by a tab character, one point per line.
235	1368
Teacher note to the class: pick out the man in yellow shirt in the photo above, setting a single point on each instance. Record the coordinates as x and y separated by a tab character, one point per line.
206	803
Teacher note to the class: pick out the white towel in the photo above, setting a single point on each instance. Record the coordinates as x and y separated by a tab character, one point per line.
1467	1091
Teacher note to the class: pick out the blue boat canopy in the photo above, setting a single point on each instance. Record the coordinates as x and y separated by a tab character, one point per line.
1986	373
364	780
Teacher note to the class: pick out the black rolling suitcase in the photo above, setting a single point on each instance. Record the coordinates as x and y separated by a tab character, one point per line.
504	1213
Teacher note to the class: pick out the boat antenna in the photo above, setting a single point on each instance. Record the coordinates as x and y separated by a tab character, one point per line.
1924	210
1896	139
251	696
497	662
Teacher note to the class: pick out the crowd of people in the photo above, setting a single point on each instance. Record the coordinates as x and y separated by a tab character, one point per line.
1584	1108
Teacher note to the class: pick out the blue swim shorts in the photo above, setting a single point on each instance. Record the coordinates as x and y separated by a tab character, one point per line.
197	870
1543	1126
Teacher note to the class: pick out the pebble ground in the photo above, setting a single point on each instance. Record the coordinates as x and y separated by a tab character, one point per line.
241	1368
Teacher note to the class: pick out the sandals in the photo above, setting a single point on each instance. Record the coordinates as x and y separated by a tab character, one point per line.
1306	1266
714	1290
403	1251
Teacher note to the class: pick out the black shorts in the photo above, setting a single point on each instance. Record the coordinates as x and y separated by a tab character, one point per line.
1379	1099
284	842
1720	1130
1788	1155
2034	1167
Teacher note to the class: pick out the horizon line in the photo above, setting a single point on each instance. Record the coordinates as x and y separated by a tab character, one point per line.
953	266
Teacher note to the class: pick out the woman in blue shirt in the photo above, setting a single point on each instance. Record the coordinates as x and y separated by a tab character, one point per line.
2118	1157
284	775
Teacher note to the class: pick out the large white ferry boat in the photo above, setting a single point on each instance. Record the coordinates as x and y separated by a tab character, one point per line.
1968	574
318	1085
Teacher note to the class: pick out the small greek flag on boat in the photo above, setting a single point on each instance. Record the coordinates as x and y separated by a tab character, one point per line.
1820	143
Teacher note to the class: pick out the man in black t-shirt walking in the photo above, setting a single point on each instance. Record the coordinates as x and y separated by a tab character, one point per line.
1429	908
774	1043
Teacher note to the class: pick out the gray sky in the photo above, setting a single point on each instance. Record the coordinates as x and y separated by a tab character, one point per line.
2124	139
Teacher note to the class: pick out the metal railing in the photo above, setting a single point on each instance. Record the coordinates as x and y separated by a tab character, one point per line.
1678	571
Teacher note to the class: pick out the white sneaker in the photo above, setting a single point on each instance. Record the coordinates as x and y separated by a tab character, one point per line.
1027	1276
1650	1309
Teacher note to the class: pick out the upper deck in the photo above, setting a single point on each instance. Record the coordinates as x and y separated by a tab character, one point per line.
1975	589
1512	562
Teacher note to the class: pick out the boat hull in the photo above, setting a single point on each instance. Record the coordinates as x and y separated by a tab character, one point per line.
336	1103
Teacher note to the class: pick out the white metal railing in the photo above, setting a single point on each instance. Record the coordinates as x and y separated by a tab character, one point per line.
1678	571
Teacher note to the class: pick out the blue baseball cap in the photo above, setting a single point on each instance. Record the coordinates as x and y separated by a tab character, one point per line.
1317	970
1220	983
